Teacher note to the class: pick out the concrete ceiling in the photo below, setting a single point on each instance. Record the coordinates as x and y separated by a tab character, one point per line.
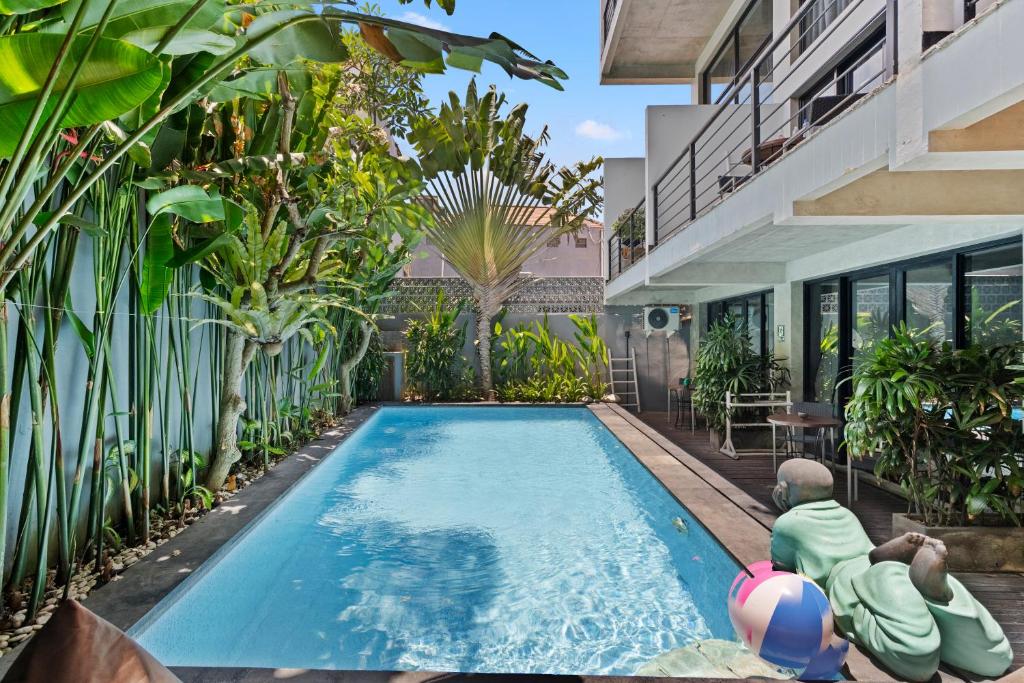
660	40
783	243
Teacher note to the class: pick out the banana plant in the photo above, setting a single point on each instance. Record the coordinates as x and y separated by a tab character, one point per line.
78	68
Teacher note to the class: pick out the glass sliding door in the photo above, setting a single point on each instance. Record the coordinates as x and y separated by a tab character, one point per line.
823	340
871	318
992	296
929	301
755	323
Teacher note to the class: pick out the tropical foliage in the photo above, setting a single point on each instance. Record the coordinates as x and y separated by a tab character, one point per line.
533	365
241	215
727	362
940	422
496	199
436	367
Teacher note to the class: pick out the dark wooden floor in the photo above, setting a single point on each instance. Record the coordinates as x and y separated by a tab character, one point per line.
1002	594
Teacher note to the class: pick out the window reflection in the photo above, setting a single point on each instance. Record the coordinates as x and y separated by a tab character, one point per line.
823	357
992	296
929	307
871	319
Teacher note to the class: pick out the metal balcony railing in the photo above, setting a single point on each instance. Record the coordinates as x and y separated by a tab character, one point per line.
757	123
973	7
607	18
628	241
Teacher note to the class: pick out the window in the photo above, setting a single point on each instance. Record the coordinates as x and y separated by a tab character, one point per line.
992	296
871	315
929	301
554	242
756	314
745	41
823	340
817	18
581	242
860	72
721	73
960	298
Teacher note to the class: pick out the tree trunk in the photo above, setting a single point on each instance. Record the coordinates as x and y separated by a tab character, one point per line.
347	397
238	354
483	351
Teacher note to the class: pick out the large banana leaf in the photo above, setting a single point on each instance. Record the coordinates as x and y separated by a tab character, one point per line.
25	6
261	84
117	78
189	202
186	42
319	41
156	276
135	15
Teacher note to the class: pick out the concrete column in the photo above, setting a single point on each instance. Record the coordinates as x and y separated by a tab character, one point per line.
795	335
908	138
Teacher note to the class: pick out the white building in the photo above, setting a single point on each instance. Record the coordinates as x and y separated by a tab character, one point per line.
850	164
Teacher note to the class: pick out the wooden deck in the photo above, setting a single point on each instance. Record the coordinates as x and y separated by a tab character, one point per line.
1002	594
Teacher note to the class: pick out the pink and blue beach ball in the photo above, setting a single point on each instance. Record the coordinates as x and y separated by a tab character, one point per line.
783	618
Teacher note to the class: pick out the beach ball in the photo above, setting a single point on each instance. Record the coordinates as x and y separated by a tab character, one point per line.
826	664
783	618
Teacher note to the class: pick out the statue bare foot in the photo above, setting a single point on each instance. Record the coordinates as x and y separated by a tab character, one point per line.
928	571
901	549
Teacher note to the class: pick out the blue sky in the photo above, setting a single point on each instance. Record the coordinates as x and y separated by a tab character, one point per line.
587	119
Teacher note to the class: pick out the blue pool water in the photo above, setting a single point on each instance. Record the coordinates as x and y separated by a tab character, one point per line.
458	539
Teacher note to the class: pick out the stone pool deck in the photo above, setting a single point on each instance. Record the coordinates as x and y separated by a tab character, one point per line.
753	475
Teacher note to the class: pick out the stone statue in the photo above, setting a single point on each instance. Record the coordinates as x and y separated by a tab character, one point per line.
896	600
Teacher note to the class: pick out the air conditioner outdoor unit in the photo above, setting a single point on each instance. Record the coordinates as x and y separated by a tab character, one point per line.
661	319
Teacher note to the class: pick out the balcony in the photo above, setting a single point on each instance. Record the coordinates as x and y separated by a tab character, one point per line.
656	41
768	112
627	244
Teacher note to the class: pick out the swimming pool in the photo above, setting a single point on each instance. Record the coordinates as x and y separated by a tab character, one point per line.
477	539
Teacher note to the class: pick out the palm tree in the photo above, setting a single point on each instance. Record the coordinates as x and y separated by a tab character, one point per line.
488	182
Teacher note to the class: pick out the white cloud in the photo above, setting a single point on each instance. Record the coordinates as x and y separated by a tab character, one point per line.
421	20
599	131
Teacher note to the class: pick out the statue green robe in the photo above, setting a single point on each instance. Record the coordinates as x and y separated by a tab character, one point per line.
878	606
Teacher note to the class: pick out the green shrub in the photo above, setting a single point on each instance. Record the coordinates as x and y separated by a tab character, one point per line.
370	371
726	362
435	364
940	422
532	364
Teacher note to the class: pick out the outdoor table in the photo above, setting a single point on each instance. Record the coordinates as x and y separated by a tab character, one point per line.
793	421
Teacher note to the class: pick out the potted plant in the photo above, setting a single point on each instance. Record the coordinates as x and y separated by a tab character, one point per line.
726	362
941	423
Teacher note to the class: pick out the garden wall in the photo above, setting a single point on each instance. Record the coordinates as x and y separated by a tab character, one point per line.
661	362
69	387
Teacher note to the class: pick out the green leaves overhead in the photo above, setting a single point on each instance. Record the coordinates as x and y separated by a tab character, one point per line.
188	41
189	202
317	40
117	78
186	201
8	7
135	15
260	84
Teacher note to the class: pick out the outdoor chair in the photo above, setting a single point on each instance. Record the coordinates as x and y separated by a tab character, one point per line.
681	400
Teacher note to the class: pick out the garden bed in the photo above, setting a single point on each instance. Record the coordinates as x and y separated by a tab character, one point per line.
971	548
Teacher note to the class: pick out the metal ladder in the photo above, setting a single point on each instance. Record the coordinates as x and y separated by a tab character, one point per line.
622	372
